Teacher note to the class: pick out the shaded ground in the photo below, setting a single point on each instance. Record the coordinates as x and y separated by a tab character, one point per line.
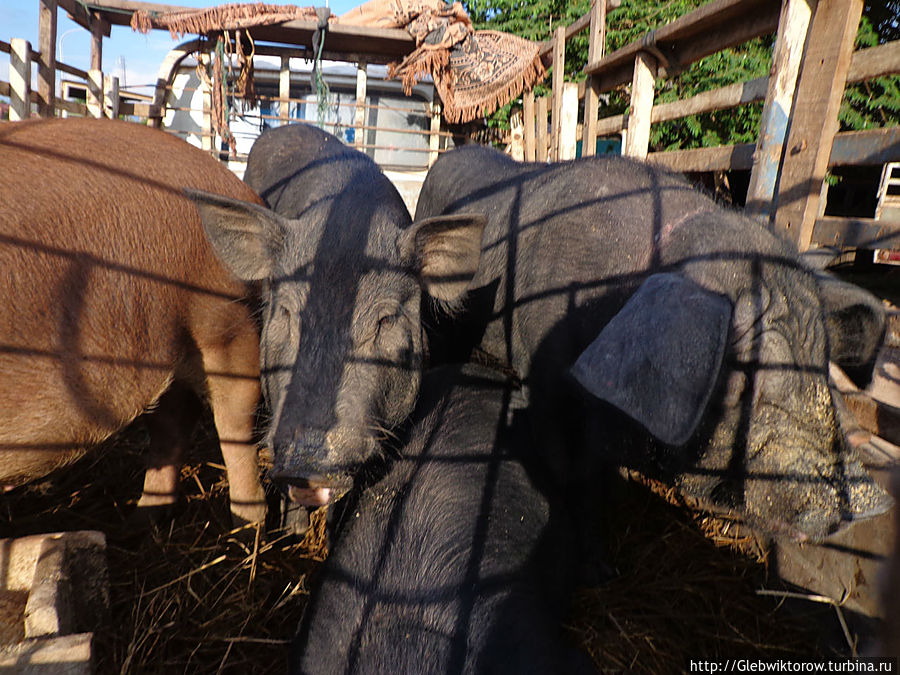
191	597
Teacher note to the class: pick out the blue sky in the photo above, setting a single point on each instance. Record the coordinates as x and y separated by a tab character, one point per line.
139	55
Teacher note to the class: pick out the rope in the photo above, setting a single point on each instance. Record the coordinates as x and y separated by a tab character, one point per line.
320	86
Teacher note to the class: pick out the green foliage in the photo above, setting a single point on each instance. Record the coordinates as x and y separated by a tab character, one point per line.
868	104
875	102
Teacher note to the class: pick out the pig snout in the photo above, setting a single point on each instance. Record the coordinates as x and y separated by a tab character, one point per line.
315	468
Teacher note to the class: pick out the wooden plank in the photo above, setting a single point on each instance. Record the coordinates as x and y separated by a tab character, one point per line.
284	89
591	93
559	59
720	158
814	119
46	71
792	29
723	98
568	121
72	107
637	140
19	79
874	416
72	70
856	233
359	114
613	124
540	121
704	31
528	122
874	62
868	147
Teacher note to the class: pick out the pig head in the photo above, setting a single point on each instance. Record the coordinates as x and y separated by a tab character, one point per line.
343	268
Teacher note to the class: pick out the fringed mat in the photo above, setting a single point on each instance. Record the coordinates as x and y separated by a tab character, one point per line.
475	72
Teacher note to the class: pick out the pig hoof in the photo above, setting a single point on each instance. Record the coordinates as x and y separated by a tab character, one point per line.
147	516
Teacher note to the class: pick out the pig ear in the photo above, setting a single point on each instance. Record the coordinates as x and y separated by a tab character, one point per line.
854	319
245	236
659	358
446	251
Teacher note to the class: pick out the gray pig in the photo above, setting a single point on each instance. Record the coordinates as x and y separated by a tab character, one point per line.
344	269
693	320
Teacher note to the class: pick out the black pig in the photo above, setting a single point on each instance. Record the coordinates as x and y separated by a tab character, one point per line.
344	269
695	321
452	562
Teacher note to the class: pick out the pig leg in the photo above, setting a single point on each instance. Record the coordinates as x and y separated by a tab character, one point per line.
170	426
234	392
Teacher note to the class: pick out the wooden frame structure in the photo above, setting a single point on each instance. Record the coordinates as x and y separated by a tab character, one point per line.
798	140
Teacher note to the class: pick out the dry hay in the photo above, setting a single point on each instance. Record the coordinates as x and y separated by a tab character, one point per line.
193	597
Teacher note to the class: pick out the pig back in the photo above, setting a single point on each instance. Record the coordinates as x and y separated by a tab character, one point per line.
110	289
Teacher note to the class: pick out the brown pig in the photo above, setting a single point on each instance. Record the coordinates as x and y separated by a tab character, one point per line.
115	304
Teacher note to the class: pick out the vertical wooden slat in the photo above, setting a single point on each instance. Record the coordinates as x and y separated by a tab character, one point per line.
528	121
559	61
111	96
284	89
19	79
568	121
47	63
793	27
206	140
434	138
95	93
814	121
540	121
637	140
359	120
596	48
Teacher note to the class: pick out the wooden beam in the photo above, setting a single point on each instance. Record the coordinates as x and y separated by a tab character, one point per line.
706	30
80	15
434	138
869	147
596	48
19	79
792	29
637	140
720	158
815	117
97	26
875	62
856	233
111	96
528	123
47	62
723	98
559	60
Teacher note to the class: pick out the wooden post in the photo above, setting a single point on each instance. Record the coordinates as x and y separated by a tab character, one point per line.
540	121
814	121
98	29
559	64
434	138
284	89
596	47
47	63
19	79
359	120
568	121
637	140
792	29
95	93
111	96
528	121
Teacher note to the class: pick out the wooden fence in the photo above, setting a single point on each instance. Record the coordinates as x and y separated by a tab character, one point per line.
813	61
